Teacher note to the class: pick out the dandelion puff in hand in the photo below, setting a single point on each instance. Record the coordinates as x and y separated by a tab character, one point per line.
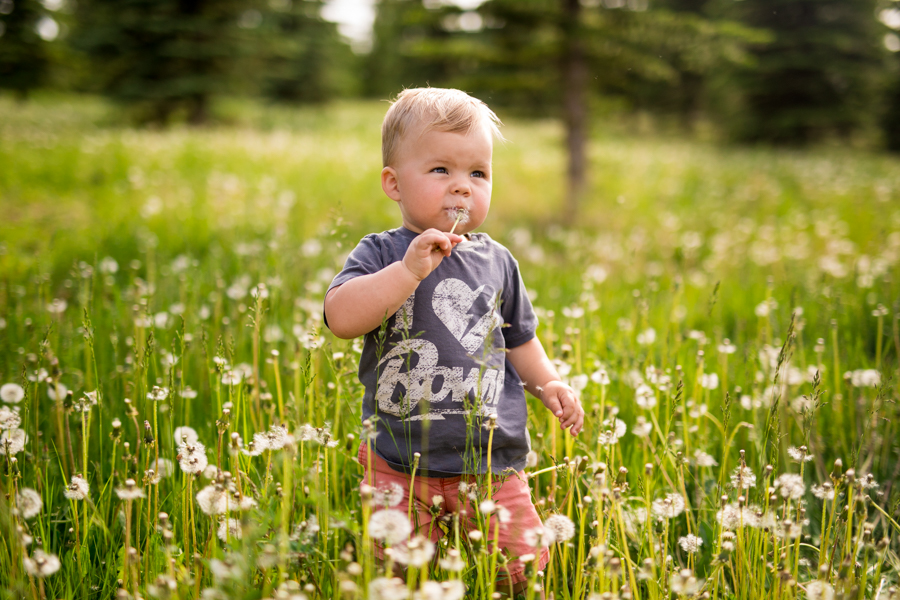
78	489
561	526
390	525
12	393
29	503
41	564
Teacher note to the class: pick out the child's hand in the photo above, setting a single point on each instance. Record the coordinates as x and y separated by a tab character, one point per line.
564	404
427	251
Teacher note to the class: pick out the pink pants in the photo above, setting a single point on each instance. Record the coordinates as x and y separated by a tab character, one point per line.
511	492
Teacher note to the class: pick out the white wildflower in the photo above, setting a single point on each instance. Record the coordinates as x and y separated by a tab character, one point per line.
78	489
12	393
416	552
213	499
690	543
562	527
13	441
799	455
743	478
383	588
645	397
229	528
130	492
192	457
390	525
669	506
389	495
29	503
790	485
185	434
819	590
9	419
539	537
41	564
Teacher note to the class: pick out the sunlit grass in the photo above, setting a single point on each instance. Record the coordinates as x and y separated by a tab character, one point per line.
700	295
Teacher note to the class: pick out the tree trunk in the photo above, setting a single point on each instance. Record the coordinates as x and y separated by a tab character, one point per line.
575	110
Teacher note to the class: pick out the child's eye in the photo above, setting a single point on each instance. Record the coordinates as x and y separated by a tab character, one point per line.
439	170
478	174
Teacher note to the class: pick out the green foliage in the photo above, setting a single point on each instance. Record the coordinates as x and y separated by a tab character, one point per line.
820	75
24	56
128	259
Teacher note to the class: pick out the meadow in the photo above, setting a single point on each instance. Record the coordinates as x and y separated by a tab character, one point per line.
177	422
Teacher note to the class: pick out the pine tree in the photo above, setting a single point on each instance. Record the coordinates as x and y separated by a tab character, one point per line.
165	57
24	56
304	58
816	78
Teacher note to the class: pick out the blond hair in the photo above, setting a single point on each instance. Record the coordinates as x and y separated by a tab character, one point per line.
434	108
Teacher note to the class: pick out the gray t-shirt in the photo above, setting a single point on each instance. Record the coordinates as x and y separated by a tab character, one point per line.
442	369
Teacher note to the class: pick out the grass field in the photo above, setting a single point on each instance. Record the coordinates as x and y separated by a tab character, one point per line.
729	315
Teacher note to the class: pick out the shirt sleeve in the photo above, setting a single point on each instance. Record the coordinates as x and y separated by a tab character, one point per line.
520	322
366	258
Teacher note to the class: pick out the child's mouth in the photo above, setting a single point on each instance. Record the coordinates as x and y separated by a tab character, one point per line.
459	215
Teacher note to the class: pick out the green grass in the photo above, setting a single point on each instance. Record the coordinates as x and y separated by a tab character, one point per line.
685	238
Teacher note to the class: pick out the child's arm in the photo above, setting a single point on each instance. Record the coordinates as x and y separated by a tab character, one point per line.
541	379
361	304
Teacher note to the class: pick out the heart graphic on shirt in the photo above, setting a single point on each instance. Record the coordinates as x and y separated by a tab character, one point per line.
452	302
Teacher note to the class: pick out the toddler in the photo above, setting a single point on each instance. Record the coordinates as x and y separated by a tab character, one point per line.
445	376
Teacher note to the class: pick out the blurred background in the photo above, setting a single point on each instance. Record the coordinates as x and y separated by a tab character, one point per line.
784	72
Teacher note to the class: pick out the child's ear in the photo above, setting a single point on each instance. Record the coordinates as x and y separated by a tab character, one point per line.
390	184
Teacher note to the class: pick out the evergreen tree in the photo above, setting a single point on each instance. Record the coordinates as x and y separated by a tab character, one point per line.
553	55
817	77
409	47
24	56
165	57
304	58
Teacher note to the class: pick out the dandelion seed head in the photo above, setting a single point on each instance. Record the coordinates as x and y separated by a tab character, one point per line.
743	478
41	564
823	492
704	460
416	552
600	377
57	391
819	590
690	543
645	397
158	394
78	489
12	393
562	527
389	525
185	434
453	562
388	495
669	506
229	528
213	499
790	485
642	427
13	441
799	455
277	437
29	503
9	418
130	492
383	588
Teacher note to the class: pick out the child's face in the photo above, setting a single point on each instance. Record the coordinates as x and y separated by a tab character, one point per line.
437	173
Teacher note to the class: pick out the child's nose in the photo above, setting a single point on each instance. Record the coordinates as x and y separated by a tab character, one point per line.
462	186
